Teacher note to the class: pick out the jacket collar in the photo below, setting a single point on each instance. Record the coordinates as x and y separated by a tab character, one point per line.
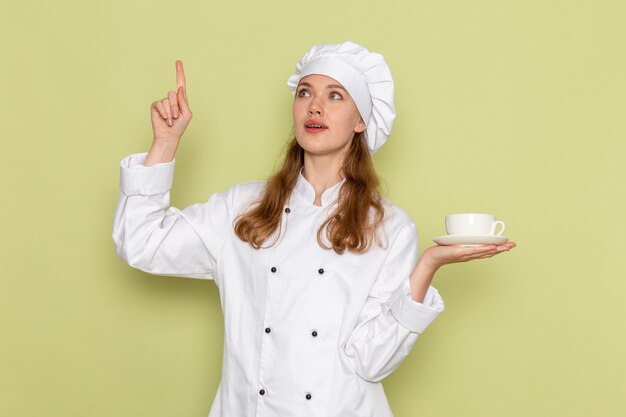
304	193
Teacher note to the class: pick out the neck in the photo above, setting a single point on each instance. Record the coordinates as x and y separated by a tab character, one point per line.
322	172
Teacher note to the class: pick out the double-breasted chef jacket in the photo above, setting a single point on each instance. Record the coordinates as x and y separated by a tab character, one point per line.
307	332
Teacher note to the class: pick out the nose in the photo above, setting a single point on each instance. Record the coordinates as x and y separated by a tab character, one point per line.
315	107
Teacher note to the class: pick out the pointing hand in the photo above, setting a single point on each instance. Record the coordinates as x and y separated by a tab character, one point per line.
171	115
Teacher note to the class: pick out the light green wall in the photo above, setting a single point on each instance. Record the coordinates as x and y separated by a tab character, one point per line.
509	107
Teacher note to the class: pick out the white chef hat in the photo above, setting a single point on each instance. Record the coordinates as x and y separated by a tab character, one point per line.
366	77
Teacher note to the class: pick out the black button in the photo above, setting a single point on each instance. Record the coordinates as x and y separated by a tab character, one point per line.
321	271
273	269
287	210
262	392
314	333
308	396
267	330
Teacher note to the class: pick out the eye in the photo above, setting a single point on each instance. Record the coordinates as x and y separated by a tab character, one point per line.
303	93
336	96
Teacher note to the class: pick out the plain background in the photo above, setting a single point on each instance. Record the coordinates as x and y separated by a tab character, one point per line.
508	107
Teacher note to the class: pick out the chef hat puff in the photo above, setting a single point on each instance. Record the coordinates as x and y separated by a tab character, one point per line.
366	77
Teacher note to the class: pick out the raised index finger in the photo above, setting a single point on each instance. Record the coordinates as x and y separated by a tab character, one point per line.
180	75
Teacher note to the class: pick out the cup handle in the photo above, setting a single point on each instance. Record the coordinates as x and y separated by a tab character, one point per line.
493	228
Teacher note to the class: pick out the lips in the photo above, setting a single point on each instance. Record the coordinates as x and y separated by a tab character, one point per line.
314	126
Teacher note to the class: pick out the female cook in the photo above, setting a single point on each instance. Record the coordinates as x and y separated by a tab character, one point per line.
318	274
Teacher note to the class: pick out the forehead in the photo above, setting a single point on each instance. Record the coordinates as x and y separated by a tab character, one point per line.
320	80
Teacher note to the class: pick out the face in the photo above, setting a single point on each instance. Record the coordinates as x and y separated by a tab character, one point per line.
325	116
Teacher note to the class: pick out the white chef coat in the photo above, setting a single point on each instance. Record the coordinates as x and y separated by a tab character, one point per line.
307	332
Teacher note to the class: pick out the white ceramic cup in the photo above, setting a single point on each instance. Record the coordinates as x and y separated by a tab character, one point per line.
473	224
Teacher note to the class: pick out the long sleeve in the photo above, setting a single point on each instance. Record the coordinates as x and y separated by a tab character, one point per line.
391	321
159	239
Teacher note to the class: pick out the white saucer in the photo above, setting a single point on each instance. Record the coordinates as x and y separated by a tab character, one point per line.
470	240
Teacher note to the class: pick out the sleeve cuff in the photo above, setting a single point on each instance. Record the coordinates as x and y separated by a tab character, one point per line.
137	179
413	315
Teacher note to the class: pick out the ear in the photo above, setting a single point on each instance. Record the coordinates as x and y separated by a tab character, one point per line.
360	126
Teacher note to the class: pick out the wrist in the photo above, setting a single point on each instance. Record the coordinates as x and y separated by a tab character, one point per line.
421	277
161	151
429	262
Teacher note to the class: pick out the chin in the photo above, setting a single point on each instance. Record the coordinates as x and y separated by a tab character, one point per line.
309	145
312	146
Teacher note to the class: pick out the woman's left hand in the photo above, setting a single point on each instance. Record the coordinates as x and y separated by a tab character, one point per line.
438	256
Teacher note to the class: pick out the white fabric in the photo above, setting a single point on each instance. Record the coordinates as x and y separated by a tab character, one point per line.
360	306
366	77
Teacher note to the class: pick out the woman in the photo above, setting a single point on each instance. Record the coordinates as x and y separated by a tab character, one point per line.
322	292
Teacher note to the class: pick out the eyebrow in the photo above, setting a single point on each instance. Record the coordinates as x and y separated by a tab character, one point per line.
328	86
